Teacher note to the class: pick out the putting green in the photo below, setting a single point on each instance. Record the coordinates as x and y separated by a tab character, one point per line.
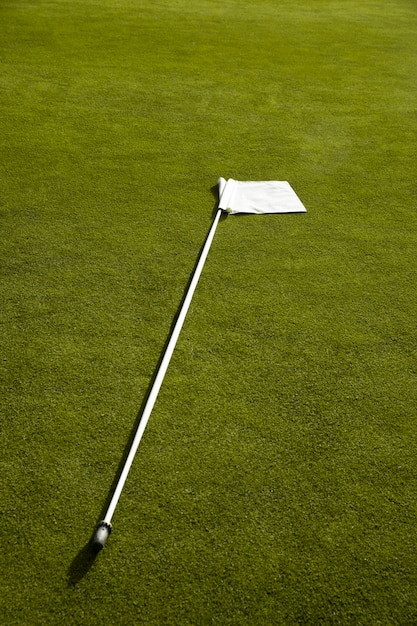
276	480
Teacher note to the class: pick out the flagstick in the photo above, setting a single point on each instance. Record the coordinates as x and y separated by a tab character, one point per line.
104	528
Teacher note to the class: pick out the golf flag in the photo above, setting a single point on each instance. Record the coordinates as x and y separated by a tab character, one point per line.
270	196
234	197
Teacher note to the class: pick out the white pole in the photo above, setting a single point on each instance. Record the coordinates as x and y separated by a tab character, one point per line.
103	528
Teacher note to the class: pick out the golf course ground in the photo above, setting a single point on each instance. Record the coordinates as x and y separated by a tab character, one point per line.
276	482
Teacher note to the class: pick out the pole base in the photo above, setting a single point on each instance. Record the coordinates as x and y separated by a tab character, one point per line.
103	530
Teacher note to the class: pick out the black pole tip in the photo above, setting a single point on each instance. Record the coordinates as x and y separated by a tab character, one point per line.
102	531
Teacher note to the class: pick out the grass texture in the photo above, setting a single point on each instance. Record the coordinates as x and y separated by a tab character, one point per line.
276	482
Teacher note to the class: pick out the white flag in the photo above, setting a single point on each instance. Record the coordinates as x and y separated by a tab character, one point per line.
270	196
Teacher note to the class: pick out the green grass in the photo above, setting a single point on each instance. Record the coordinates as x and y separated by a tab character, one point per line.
276	482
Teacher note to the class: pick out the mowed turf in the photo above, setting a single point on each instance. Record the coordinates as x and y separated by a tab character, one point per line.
276	482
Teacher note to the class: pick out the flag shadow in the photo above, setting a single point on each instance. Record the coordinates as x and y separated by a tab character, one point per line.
215	192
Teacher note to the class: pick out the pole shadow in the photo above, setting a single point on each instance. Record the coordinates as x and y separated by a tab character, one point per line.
81	565
86	557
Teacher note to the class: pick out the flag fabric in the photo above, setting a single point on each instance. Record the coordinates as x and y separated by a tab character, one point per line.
270	196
